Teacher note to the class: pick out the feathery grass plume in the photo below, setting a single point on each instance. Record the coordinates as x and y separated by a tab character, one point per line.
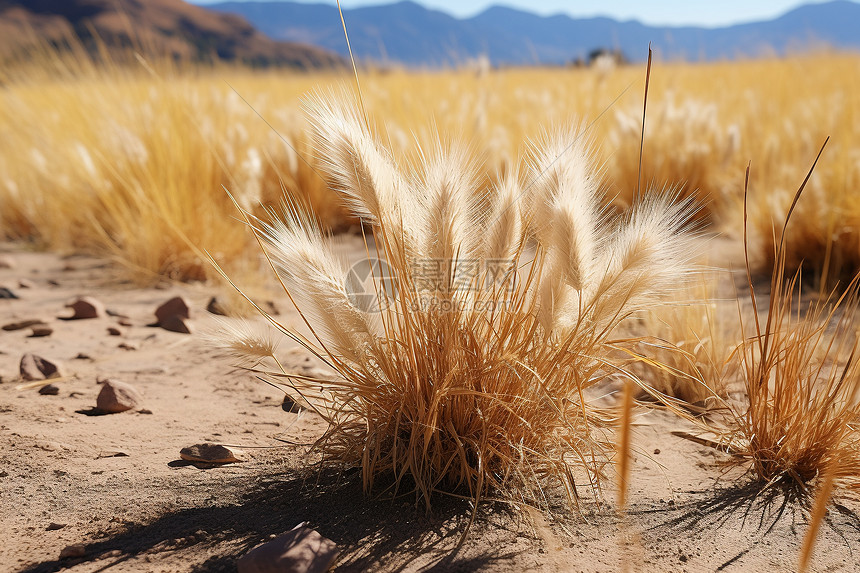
506	227
243	341
802	382
470	393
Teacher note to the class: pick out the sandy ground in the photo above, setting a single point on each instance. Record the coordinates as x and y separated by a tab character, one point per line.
115	483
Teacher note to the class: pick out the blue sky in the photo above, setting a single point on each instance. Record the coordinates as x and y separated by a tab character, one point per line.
675	12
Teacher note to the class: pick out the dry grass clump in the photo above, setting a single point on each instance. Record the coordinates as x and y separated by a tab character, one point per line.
464	367
133	165
802	382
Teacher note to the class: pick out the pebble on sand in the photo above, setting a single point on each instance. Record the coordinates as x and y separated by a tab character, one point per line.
41	330
22	324
86	307
209	454
6	293
74	550
116	396
37	368
301	550
177	306
49	390
176	323
215	306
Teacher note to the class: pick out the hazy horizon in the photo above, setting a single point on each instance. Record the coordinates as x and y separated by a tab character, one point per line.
667	13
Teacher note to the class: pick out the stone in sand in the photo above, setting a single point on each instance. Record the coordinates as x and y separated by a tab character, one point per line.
7	262
41	330
116	396
87	307
22	324
301	550
26	283
177	306
176	323
6	293
215	306
290	405
74	550
209	454
49	390
37	368
114	331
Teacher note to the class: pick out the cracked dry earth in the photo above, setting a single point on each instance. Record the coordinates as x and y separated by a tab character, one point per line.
115	483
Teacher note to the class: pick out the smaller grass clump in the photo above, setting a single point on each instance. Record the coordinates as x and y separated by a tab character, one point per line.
465	367
802	383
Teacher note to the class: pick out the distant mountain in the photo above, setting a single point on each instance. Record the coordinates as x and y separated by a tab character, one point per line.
409	33
164	27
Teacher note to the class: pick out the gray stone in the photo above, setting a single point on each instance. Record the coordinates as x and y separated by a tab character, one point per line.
301	550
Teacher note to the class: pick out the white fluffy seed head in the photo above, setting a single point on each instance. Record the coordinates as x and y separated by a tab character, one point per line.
567	202
360	169
316	280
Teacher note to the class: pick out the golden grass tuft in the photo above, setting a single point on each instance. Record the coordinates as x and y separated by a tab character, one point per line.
802	383
471	377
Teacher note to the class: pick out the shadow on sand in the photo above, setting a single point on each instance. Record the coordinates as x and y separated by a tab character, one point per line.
371	533
749	505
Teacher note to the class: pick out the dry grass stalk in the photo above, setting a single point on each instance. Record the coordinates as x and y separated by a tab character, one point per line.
471	379
802	381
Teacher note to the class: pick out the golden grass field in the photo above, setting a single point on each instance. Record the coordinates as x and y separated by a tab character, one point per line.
131	163
488	390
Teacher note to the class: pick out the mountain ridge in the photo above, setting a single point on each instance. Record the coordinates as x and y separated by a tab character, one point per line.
408	33
170	28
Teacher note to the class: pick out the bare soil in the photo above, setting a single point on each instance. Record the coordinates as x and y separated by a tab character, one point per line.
116	484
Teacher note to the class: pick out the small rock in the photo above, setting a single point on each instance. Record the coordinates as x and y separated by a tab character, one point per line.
116	396
208	453
128	345
54	526
289	405
37	368
301	550
6	293
49	390
87	307
114	331
124	321
41	330
176	323
26	283
74	550
7	262
22	324
177	306
82	356
657	451
53	282
215	306
144	411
